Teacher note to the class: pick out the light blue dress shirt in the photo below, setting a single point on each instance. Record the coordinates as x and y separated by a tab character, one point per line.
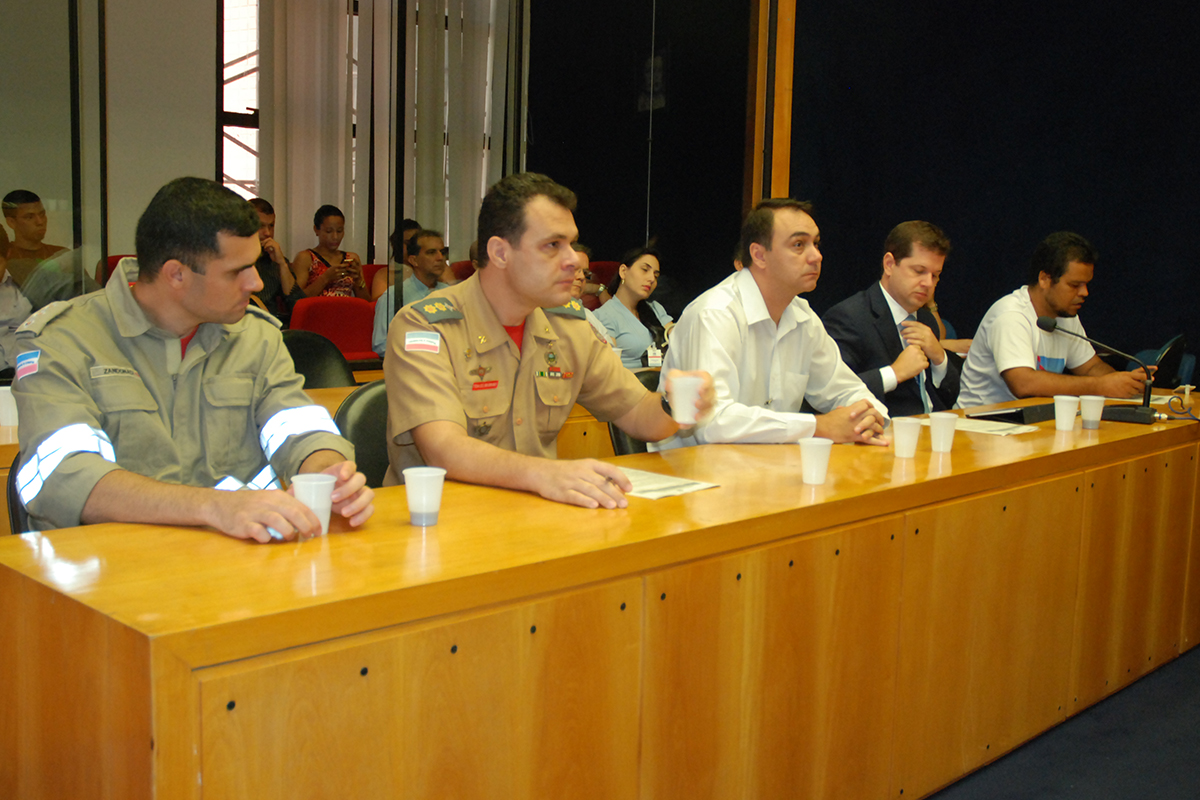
628	331
386	308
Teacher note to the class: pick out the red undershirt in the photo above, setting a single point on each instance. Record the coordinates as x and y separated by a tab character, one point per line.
516	333
185	341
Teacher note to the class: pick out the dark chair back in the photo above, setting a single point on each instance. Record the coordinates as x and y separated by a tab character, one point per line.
624	444
362	418
317	360
18	518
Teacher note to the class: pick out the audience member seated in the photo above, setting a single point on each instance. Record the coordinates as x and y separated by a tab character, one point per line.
399	271
580	285
325	270
14	308
280	290
633	320
1012	357
590	290
888	337
480	381
427	258
767	352
25	214
155	402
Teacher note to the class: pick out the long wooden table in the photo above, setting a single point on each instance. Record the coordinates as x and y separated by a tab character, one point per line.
875	637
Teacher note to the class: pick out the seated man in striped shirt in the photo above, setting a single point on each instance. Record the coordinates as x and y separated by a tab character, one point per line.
142	403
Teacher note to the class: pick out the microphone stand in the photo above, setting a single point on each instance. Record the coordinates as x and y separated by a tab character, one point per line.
1143	414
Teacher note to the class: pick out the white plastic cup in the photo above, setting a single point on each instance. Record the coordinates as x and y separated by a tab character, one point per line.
314	489
814	460
941	430
1065	406
684	394
423	485
905	432
1091	407
8	407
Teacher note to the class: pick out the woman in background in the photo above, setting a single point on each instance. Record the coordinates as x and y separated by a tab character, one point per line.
633	320
325	270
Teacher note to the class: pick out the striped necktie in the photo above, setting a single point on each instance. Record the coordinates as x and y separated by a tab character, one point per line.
920	375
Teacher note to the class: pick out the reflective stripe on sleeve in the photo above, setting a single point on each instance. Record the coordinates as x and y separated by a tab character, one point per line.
294	422
265	479
77	438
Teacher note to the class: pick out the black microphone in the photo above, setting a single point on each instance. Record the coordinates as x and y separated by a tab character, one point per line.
1142	414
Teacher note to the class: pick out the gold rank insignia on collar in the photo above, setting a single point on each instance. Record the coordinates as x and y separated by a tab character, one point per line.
438	310
571	309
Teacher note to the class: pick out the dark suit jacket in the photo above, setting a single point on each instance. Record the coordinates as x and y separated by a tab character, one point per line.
862	326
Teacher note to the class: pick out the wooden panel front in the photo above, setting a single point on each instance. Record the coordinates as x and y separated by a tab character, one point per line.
538	700
584	436
987	611
1190	636
74	699
1137	528
771	673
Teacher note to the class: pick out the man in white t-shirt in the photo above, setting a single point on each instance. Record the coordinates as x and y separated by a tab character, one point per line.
1011	357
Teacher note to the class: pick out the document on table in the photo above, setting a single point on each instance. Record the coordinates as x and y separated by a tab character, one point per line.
654	486
989	426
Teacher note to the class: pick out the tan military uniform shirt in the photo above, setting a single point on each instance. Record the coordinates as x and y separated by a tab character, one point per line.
99	388
449	358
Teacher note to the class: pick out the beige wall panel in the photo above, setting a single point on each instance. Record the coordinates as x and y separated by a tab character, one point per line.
1190	636
986	619
1137	527
771	673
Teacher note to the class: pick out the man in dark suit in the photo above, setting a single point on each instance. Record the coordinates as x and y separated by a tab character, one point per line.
888	336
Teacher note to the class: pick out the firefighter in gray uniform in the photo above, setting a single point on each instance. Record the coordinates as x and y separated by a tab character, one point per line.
137	402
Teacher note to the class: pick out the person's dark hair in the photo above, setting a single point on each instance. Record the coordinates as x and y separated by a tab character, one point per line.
397	240
902	238
1056	251
17	197
503	210
413	245
325	212
759	224
263	206
580	247
645	313
182	223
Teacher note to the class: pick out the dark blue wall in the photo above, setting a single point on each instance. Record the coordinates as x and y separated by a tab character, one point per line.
1001	122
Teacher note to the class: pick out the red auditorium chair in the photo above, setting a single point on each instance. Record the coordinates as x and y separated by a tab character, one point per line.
462	270
369	271
346	321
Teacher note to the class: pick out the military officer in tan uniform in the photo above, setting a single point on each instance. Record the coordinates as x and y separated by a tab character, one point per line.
140	403
482	375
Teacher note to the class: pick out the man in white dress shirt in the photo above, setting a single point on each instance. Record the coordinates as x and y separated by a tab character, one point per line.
766	350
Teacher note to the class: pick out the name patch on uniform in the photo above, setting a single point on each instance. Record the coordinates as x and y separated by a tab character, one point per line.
105	372
475	387
27	363
427	341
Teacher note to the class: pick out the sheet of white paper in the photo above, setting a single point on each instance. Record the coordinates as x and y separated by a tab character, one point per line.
988	426
654	486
